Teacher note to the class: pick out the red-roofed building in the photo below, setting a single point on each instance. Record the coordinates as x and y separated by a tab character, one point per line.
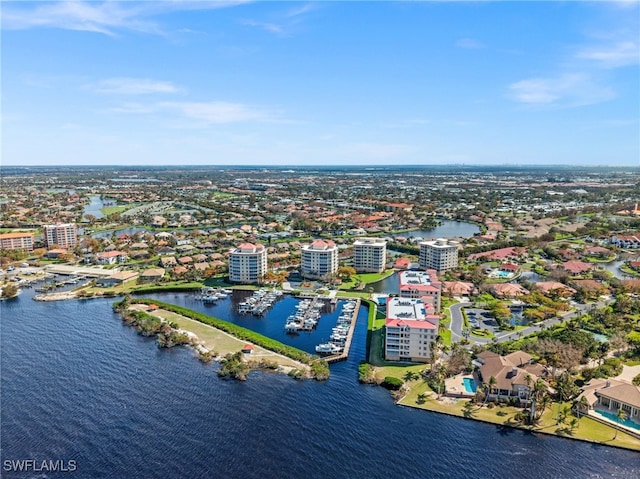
576	267
21	241
248	263
402	263
509	267
319	259
111	257
409	330
421	284
499	254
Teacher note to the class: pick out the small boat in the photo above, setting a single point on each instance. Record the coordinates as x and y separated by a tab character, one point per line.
328	348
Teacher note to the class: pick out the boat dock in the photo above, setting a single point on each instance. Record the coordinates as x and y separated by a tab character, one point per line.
344	354
307	316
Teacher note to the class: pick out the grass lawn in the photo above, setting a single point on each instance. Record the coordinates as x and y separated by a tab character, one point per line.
587	429
220	342
109	210
399	370
445	333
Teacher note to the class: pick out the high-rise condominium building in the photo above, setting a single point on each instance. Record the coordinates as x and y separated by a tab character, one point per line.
64	235
369	255
319	259
248	263
441	254
409	330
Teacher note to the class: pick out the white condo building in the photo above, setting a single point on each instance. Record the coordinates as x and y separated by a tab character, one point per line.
319	259
64	235
441	254
248	263
409	330
369	255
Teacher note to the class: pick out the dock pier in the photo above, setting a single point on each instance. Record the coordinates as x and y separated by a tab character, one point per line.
335	358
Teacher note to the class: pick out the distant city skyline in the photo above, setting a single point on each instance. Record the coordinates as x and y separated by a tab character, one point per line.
320	83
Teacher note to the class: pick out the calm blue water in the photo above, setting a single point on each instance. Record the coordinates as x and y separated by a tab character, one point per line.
272	323
94	207
78	384
446	229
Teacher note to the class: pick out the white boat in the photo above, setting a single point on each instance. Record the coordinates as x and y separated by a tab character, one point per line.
328	348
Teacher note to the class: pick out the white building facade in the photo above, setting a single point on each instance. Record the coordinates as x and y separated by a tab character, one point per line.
409	330
441	254
248	263
369	255
319	259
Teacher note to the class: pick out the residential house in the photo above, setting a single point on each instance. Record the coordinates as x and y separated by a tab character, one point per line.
515	374
111	257
116	279
151	275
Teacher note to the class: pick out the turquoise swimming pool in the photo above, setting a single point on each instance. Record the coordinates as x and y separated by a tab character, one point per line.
614	417
469	385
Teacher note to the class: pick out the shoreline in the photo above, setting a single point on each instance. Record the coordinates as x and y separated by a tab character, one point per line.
404	402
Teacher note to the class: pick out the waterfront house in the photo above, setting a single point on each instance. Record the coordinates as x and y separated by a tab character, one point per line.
515	374
116	279
152	274
608	395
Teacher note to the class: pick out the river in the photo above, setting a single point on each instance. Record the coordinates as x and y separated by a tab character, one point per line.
79	385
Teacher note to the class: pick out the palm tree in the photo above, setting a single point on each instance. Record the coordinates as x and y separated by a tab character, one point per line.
489	388
582	406
621	416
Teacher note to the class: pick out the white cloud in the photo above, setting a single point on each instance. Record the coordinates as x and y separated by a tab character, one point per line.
106	17
133	86
568	90
612	56
469	43
217	111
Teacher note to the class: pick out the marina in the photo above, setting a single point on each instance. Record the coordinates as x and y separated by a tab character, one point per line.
260	302
211	295
306	316
337	348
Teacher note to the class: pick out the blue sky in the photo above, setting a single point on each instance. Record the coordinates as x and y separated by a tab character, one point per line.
298	83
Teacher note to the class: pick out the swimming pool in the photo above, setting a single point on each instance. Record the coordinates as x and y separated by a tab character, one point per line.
614	417
502	274
469	385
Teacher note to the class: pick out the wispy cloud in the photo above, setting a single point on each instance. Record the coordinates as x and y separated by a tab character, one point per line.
469	43
612	56
282	24
267	26
133	86
568	90
218	111
107	17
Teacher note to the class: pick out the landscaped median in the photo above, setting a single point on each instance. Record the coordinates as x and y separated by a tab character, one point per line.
315	367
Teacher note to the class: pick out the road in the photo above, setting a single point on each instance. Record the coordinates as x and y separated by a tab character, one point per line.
457	323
